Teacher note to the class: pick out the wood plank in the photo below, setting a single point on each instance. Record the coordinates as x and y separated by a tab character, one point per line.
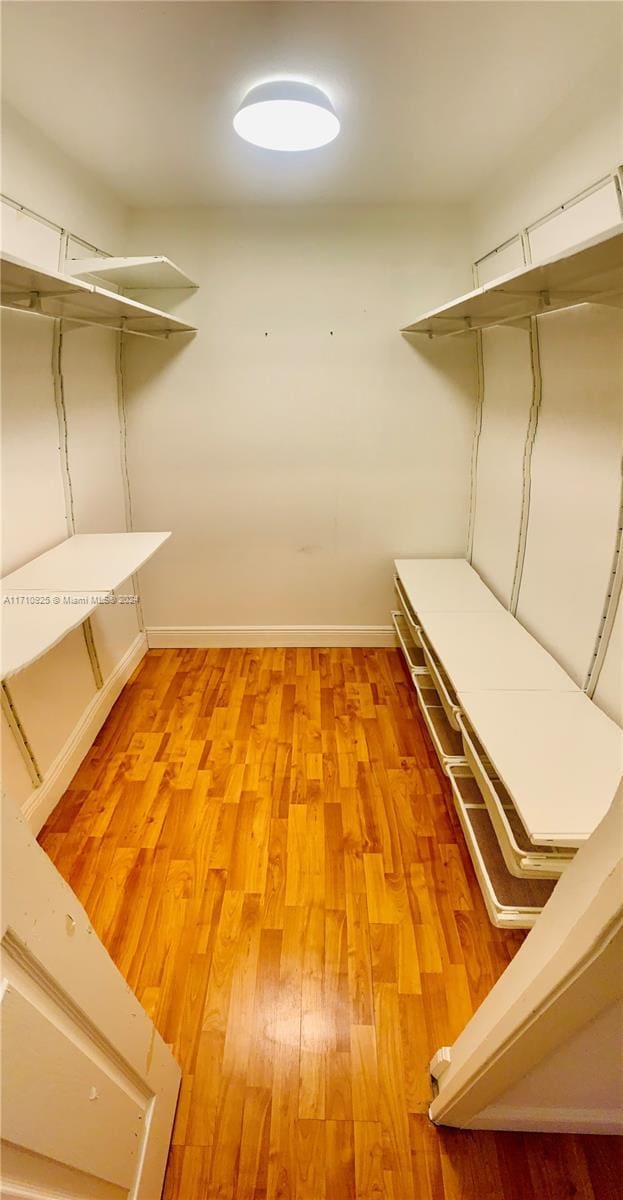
369	1161
365	1073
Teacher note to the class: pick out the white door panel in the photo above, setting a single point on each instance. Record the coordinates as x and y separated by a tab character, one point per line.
48	1180
88	1086
47	1108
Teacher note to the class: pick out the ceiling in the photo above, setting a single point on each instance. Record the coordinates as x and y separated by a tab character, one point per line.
432	95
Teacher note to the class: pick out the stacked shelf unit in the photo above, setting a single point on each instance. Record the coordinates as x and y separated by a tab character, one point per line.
502	715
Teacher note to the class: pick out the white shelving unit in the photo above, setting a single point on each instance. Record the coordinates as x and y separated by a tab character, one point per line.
533	763
27	287
591	272
131	274
54	593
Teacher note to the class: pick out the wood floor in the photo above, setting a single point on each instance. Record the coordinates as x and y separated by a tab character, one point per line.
265	844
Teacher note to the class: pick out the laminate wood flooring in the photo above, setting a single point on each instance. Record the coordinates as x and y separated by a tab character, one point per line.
266	845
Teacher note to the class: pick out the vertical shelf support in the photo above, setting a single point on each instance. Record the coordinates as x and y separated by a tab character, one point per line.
89	641
533	421
611	603
63	446
61	415
21	740
125	473
473	488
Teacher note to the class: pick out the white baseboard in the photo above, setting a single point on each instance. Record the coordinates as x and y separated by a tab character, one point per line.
529	1119
205	636
44	798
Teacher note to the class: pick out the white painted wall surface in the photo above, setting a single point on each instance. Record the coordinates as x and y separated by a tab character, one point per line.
505	413
51	695
33	500
95	466
580	1085
298	444
56	699
576	483
575	145
575	480
37	174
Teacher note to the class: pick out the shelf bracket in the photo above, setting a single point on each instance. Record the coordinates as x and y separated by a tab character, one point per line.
21	740
23	301
61	416
87	630
156	337
543	295
533	420
610	607
473	485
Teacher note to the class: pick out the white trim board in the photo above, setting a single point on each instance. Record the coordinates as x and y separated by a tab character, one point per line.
44	799
172	637
549	1120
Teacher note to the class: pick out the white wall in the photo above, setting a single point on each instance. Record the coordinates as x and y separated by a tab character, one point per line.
578	1086
576	483
40	176
56	699
574	470
575	145
506	401
298	443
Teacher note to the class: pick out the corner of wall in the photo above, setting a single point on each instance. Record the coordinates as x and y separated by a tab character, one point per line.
42	177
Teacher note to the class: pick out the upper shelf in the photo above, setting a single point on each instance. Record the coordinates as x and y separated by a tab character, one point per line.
132	273
48	597
564	766
589	272
26	286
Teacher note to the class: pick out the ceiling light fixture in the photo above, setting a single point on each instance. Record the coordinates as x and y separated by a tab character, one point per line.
287	115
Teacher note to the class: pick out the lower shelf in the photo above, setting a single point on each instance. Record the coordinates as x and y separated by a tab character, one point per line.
446	740
413	653
511	902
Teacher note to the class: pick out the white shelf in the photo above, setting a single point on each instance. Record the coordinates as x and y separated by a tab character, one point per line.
29	631
558	755
444	585
481	651
63	587
93	562
511	903
589	272
447	742
132	273
26	286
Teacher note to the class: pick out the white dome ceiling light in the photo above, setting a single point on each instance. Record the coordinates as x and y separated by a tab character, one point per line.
287	115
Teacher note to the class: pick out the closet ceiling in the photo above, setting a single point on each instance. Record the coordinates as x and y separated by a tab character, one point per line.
433	97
